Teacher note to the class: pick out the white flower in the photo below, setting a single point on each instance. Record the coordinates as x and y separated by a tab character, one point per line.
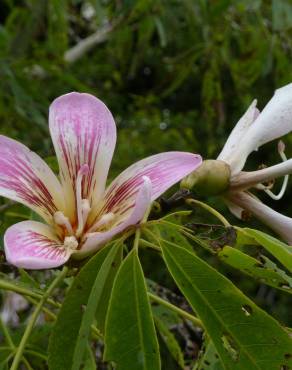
252	131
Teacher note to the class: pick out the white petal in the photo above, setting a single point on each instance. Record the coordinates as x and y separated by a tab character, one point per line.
236	138
281	224
274	121
245	180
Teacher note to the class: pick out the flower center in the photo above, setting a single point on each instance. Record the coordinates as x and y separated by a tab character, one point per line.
74	235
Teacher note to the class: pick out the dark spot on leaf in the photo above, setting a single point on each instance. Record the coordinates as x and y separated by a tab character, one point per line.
246	309
288	356
284	286
230	346
207	362
262	261
114	264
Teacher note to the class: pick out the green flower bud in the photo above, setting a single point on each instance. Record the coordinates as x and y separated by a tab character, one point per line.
211	178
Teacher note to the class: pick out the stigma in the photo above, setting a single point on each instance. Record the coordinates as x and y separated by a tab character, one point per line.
71	242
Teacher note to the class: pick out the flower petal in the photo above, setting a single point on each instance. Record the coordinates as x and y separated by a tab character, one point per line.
33	245
84	133
164	170
245	180
281	224
234	209
237	134
26	178
273	122
141	204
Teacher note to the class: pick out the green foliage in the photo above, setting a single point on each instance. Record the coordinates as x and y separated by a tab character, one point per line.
228	316
261	269
209	359
170	341
278	249
78	310
177	75
130	334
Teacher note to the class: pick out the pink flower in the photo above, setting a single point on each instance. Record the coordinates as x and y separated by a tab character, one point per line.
81	213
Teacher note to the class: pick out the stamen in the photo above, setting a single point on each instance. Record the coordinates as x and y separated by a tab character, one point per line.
281	150
85	209
61	220
103	221
71	242
82	205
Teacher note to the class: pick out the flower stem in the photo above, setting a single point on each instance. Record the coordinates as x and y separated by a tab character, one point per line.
7	335
36	354
33	318
138	231
170	306
146	243
30	295
6	285
211	210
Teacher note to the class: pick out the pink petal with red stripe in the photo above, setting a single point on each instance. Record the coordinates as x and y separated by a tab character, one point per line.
33	245
84	133
140	205
26	178
164	170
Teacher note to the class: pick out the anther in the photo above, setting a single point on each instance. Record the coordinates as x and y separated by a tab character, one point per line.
61	220
83	207
103	221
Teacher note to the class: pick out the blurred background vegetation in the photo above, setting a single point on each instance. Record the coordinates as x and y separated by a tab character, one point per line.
176	74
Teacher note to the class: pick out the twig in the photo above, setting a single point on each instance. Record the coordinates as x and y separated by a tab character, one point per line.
87	44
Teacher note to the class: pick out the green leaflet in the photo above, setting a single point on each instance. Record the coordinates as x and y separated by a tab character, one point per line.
244	336
209	359
130	338
278	249
170	341
169	232
73	324
265	270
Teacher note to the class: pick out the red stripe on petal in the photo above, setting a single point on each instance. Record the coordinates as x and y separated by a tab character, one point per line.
26	178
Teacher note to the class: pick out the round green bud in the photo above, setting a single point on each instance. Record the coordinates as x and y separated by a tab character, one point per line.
211	178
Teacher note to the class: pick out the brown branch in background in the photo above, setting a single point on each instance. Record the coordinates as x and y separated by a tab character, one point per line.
87	44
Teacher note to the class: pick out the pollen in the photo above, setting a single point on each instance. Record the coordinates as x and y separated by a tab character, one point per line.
71	242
